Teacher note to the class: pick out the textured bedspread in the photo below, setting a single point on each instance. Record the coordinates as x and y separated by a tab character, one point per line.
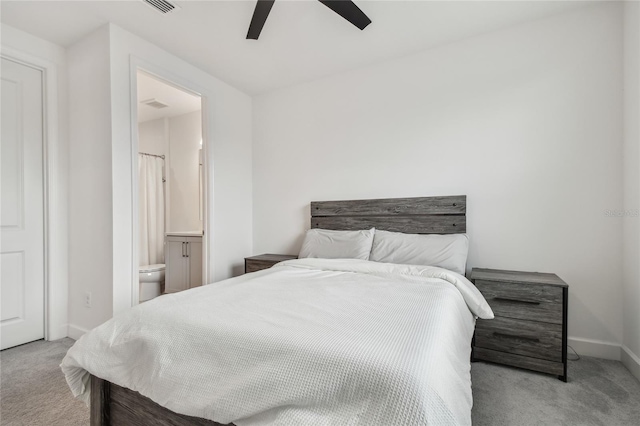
307	342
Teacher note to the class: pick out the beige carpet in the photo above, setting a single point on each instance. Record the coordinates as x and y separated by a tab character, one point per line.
599	392
33	392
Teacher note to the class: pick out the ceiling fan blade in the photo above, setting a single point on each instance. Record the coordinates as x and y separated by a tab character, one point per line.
349	11
263	7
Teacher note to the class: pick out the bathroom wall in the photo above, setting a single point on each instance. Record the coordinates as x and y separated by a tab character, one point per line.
185	134
152	136
178	138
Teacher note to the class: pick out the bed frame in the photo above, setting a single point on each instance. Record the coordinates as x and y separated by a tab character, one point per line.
114	405
424	215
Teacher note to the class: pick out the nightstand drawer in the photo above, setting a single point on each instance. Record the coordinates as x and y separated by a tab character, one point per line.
264	261
535	364
258	265
523	301
528	338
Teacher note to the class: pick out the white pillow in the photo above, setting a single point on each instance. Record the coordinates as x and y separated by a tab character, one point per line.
445	251
323	243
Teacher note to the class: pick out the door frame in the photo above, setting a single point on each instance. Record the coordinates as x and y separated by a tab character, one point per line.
138	64
54	289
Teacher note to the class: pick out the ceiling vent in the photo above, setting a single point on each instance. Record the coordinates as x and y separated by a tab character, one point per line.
154	103
162	6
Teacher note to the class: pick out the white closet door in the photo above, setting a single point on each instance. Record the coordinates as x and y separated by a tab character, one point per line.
22	210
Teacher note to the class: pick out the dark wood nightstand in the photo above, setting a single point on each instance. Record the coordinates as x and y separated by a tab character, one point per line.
264	261
530	325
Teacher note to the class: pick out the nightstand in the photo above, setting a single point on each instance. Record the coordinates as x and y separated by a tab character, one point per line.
264	261
530	325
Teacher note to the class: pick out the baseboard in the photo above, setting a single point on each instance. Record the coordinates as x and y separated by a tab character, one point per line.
75	332
595	348
631	361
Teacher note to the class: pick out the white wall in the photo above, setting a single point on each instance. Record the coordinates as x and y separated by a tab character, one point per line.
102	160
229	131
631	221
178	139
185	134
152	137
53	56
525	121
90	189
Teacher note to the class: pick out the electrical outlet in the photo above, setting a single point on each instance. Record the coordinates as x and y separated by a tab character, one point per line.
87	299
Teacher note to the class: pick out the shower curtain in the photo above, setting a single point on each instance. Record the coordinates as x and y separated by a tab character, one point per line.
151	190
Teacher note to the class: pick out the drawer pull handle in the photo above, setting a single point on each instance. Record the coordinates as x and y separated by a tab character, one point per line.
526	302
511	336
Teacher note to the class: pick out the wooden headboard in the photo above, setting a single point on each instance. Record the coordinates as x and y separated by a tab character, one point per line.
422	215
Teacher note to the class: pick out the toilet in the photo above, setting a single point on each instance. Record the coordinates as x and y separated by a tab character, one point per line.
151	281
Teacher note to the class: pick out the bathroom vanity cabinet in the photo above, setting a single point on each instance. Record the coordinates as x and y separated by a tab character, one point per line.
183	260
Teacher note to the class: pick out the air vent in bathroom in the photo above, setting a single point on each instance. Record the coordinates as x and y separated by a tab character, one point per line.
154	103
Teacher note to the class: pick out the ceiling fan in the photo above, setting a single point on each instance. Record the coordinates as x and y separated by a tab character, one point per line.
345	8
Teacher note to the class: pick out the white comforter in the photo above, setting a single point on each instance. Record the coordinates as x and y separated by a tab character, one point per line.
307	342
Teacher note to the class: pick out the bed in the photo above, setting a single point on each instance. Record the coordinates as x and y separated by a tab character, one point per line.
309	341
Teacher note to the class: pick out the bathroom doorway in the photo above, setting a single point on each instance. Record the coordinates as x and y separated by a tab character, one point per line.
170	196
